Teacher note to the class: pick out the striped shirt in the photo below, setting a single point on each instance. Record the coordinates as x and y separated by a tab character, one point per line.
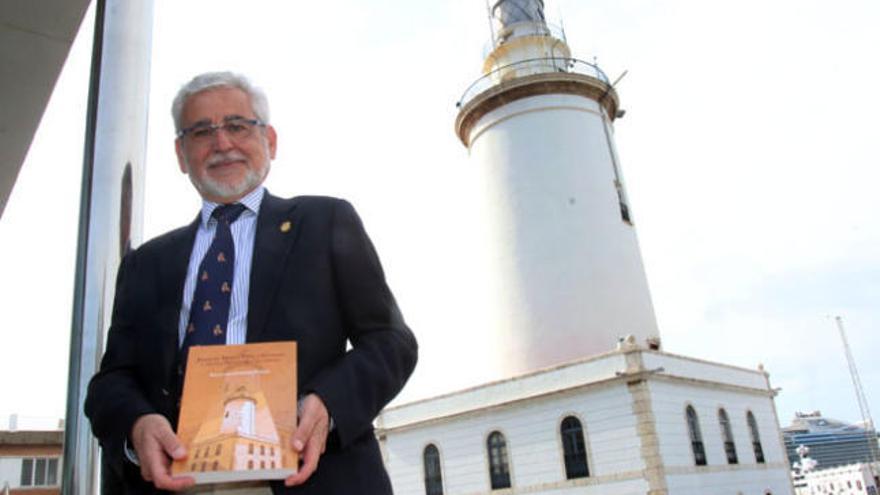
243	230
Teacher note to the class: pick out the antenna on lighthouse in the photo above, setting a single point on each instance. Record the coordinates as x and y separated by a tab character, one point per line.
561	19
489	20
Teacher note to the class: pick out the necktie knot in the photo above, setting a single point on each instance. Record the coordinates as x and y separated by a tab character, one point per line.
228	213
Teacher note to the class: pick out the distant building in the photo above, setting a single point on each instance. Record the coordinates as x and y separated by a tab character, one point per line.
30	462
831	442
852	479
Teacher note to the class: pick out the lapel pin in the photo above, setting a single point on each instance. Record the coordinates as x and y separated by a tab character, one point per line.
285	226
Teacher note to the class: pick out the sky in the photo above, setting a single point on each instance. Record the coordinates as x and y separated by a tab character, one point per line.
748	147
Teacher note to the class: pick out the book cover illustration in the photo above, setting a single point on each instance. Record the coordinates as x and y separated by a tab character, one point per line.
238	413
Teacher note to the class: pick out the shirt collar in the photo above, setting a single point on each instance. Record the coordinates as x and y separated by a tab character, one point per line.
251	201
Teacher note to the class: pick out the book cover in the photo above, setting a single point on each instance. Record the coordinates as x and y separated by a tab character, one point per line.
238	413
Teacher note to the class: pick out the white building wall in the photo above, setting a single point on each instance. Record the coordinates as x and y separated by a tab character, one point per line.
10	471
736	482
531	429
620	441
698	369
561	378
669	400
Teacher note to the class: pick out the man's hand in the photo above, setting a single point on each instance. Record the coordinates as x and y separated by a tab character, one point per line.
310	437
156	445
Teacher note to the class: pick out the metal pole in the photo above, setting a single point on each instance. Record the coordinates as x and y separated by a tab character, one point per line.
867	420
111	208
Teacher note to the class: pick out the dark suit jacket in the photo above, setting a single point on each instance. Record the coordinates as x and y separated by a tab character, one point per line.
319	283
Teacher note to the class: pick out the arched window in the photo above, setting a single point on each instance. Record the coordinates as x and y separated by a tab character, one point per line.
573	448
433	478
756	438
499	469
696	437
727	435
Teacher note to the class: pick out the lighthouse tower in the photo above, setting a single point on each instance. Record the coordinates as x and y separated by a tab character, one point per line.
567	275
573	408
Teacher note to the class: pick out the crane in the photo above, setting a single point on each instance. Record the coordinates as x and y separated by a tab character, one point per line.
868	422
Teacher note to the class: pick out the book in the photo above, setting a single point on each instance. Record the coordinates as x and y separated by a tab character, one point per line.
238	413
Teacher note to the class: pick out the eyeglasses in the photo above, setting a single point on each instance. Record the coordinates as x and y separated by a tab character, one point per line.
234	128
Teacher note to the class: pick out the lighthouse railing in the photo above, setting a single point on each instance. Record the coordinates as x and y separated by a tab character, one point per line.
529	67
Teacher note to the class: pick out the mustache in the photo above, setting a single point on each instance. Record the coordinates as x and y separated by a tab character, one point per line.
229	156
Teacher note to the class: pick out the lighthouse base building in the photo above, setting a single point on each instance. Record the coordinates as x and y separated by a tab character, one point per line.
631	421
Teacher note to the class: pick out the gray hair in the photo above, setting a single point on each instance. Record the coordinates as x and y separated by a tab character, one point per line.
211	80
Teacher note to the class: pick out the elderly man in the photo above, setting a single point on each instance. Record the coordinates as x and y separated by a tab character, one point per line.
303	270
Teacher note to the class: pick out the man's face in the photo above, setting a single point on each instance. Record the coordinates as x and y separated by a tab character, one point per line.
224	167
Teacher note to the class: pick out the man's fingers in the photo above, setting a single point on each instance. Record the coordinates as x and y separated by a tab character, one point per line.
303	432
174	484
311	455
153	462
158	466
310	438
156	445
312	415
170	444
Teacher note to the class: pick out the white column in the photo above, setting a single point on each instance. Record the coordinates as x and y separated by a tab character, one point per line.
111	208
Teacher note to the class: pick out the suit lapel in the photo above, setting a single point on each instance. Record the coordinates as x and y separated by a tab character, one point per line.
274	238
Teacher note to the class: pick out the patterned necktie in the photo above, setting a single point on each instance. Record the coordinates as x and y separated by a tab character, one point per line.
209	313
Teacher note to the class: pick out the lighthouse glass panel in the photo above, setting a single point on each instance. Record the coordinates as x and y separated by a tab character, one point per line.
433	478
756	437
729	446
574	448
499	470
696	437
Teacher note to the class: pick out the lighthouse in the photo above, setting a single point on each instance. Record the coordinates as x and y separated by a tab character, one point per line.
566	274
584	399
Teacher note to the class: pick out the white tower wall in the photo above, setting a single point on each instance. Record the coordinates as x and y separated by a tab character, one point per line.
567	274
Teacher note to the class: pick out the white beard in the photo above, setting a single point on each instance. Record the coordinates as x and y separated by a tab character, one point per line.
226	191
